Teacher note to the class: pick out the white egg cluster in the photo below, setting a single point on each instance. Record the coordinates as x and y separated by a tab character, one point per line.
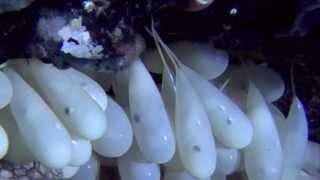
207	121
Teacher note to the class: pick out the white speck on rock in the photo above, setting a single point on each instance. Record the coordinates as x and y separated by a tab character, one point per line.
77	41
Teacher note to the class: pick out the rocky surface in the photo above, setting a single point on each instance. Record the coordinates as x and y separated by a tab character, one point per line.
28	171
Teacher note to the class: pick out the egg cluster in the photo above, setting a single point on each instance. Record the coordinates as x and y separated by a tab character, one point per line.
205	120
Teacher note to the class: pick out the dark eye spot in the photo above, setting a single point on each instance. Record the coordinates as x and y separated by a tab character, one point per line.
136	118
68	111
196	148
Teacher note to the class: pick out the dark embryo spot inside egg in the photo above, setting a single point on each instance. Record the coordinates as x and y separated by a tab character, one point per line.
136	118
196	148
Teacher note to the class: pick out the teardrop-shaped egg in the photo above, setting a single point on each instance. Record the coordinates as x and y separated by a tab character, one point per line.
294	141
94	90
228	160
120	87
5	90
88	171
41	130
168	91
81	151
69	171
104	79
237	86
118	139
263	156
79	113
230	125
267	81
202	58
280	121
132	166
312	159
4	142
18	151
195	141
149	118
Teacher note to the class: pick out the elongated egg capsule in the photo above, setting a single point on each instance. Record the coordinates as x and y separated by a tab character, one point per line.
41	130
18	151
80	113
104	79
149	118
269	82
5	90
229	124
94	90
202	58
168	91
120	87
228	160
263	156
195	140
81	151
237	86
69	171
132	166
4	142
294	141
118	139
280	121
88	171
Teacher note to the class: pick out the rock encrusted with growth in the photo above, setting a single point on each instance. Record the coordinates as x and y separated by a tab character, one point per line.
28	171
